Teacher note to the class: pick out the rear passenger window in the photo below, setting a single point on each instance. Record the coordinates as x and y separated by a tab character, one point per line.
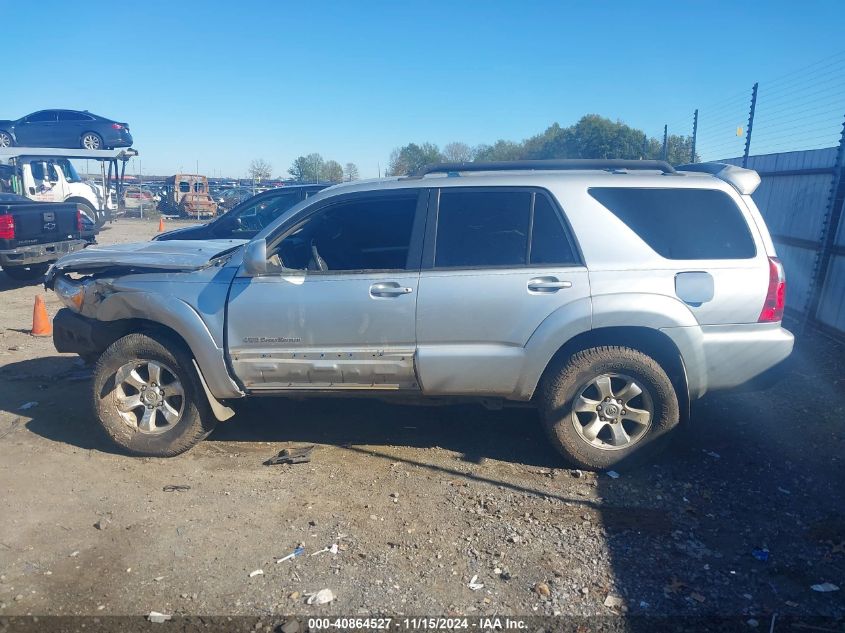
549	242
482	228
682	223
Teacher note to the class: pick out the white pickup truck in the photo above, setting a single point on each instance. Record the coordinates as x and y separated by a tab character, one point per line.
47	175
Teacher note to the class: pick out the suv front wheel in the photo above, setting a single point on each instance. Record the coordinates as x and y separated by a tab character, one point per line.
148	397
607	405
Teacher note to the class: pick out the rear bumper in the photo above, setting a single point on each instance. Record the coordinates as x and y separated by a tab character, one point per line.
748	356
39	253
121	138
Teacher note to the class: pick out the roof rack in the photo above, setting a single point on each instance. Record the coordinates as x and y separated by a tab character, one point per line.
548	165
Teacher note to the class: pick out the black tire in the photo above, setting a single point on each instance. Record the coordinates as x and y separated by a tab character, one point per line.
567	380
196	419
91	140
6	139
99	217
26	273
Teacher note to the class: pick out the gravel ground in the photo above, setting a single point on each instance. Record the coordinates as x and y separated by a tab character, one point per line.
741	517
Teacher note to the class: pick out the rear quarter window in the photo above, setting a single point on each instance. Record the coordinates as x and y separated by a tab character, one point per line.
682	223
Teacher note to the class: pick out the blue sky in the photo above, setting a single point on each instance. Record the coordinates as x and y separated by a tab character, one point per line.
223	82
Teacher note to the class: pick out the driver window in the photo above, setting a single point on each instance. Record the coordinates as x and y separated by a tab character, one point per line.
37	170
362	234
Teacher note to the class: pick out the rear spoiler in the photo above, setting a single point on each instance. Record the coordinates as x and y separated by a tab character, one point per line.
745	181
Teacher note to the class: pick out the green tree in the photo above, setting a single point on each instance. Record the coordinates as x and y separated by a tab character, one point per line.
593	136
412	157
307	168
500	150
331	171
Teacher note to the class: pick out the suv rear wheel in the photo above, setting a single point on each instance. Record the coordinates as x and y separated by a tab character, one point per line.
148	397
607	405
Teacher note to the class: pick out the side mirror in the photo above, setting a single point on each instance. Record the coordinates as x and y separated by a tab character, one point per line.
255	258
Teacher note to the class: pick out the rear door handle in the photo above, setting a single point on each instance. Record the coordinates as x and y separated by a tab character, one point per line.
389	289
547	284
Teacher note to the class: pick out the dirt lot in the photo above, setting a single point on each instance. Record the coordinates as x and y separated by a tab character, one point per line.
419	500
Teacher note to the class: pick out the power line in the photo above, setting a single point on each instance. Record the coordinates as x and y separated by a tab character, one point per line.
781	78
780	101
829	108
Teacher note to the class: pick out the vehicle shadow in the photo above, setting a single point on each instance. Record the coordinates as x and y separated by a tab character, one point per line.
7	283
753	490
510	434
60	387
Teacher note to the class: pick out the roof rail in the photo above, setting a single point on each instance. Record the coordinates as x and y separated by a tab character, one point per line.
548	165
745	181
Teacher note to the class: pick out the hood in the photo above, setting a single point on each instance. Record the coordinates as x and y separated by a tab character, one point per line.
173	255
5	123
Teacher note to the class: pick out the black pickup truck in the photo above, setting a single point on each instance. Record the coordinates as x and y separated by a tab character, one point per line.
35	234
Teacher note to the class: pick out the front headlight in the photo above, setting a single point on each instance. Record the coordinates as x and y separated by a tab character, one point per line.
72	293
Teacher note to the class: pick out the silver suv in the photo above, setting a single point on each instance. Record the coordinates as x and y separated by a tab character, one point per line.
608	293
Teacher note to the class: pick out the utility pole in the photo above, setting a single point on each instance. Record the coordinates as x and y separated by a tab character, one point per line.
694	135
750	125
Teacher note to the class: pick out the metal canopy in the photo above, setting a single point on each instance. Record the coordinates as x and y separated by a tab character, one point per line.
123	153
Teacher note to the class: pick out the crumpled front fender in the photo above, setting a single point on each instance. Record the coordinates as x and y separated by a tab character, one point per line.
183	319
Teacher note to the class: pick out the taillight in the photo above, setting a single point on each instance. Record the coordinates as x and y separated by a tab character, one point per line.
776	294
117	126
79	225
7	227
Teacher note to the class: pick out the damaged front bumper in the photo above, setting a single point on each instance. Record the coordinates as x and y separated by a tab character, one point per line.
77	334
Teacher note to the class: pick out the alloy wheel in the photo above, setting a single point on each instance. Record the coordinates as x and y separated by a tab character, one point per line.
148	396
612	411
91	141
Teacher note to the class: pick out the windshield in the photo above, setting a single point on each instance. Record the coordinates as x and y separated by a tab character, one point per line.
250	217
68	170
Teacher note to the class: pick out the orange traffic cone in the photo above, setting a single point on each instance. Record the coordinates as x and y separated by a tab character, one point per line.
160	224
41	325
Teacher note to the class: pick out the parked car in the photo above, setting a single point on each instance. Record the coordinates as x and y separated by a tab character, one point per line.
248	218
35	234
65	128
610	294
136	198
231	198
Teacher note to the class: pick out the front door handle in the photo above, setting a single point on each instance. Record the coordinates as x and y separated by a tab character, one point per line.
547	284
389	289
